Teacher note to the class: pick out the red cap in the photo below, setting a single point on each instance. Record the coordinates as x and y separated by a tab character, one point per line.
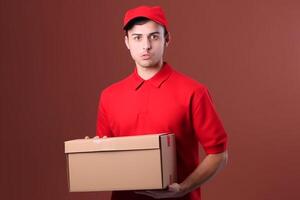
153	13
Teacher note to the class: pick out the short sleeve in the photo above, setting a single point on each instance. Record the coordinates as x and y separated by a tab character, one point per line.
102	125
207	124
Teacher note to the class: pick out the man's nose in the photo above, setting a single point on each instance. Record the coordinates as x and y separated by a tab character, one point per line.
146	44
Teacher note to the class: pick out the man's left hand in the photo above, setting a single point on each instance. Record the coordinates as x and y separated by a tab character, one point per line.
174	191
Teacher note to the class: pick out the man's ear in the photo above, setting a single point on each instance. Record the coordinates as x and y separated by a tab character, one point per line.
126	41
167	39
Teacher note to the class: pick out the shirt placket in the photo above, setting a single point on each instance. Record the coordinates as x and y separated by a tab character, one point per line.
143	113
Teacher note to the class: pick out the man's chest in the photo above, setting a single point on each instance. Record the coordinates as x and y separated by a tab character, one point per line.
148	111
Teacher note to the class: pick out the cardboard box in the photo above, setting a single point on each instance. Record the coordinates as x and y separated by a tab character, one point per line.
121	163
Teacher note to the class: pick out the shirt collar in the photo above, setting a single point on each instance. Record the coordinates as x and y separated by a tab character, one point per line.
157	80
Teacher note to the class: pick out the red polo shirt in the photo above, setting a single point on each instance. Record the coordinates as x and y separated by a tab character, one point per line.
168	102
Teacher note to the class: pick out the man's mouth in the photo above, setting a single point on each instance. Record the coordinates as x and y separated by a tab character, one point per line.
146	56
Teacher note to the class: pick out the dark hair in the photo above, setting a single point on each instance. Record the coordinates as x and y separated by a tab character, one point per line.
139	21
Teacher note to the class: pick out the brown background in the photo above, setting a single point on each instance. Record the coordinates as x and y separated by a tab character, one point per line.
56	56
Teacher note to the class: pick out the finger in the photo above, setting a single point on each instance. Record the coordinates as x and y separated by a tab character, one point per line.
175	187
86	137
96	137
158	194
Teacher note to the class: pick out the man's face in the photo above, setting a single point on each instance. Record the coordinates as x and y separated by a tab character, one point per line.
146	44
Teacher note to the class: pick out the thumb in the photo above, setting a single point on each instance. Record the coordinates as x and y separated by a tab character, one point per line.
175	187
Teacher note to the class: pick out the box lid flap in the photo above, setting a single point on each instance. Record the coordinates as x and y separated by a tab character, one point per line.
139	142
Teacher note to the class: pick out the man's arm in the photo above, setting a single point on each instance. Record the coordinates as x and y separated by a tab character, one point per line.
209	167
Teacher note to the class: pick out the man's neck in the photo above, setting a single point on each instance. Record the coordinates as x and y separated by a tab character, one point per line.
148	72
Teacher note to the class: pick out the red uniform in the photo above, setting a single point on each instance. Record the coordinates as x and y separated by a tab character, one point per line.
168	102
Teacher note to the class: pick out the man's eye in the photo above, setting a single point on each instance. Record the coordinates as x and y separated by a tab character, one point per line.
137	38
154	37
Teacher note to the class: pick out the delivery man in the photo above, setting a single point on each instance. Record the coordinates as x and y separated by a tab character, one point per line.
156	98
